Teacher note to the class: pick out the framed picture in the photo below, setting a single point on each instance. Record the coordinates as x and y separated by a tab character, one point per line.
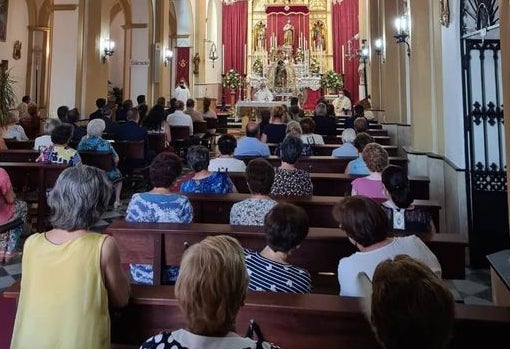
4	6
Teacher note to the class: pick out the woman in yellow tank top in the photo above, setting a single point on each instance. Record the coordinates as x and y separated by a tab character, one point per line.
71	275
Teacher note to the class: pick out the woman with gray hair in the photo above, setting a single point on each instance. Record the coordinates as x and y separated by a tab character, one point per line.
13	129
204	181
347	149
71	275
94	142
45	139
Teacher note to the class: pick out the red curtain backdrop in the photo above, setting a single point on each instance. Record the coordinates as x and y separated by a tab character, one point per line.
182	65
234	35
277	17
345	26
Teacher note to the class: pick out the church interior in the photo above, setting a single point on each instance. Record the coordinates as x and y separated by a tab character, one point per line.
435	74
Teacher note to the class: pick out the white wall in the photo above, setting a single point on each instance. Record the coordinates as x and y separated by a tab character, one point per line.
452	89
63	60
17	23
116	62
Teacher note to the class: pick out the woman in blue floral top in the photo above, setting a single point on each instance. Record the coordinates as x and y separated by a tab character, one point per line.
159	205
94	142
204	181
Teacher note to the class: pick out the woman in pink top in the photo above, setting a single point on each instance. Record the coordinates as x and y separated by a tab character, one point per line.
10	209
376	158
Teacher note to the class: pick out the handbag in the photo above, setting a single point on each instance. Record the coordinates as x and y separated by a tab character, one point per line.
254	332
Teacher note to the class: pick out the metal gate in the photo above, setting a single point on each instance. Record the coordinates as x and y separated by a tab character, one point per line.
484	130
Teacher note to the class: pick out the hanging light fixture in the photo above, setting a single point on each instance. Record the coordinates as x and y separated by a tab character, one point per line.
213	54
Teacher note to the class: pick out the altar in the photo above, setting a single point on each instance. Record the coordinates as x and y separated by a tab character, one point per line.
252	106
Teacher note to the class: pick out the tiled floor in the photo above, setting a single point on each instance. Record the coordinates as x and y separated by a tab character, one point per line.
475	289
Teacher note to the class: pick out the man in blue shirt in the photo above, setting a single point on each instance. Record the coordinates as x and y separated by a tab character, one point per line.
251	145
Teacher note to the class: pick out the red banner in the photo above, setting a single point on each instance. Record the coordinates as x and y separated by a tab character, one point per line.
183	59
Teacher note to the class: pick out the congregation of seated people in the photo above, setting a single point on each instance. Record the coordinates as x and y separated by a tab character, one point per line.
211	300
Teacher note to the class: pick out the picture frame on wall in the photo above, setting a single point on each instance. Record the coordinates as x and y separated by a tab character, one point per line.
4	6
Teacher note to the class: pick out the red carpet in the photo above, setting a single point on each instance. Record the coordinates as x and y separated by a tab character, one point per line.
7	314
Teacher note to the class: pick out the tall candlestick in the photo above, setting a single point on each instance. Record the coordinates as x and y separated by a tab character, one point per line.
245	58
223	57
343	59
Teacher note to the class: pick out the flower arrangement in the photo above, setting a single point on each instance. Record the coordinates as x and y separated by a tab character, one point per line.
315	66
332	80
232	80
257	67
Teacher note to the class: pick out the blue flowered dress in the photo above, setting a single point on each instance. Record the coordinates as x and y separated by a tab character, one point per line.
100	145
216	183
157	208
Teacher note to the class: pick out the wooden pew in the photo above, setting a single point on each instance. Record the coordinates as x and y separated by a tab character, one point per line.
371	131
157	141
215	208
337	184
325	164
31	182
15	144
298	321
19	155
327	149
164	243
337	139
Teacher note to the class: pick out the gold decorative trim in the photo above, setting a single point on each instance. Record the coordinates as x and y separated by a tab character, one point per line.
135	26
64	7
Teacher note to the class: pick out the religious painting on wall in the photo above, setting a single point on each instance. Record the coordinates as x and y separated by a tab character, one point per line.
4	5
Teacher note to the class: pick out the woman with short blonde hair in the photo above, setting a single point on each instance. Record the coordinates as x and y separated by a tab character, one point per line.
210	289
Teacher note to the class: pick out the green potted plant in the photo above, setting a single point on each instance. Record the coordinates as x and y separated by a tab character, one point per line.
7	95
332	81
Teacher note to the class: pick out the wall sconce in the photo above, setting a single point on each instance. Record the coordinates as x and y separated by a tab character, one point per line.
213	54
402	26
108	49
378	46
168	56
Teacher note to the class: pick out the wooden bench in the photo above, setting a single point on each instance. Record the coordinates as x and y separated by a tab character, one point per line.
215	208
157	141
337	184
15	144
371	131
298	321
162	244
19	155
327	149
31	182
337	139
324	164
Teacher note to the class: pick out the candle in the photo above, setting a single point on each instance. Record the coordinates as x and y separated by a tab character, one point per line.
343	59
223	58
245	57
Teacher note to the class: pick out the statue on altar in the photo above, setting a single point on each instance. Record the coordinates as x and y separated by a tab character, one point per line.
288	34
259	36
319	35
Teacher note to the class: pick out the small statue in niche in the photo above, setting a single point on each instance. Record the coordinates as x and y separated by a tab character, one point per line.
196	63
16	52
